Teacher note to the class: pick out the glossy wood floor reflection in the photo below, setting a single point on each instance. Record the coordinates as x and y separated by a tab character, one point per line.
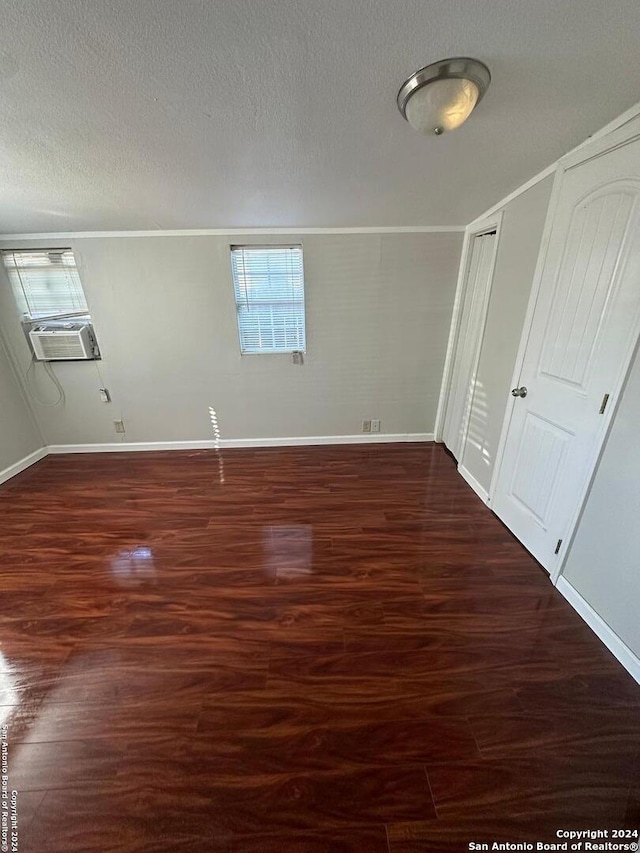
316	650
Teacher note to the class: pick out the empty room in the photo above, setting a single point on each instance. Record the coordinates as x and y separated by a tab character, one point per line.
319	405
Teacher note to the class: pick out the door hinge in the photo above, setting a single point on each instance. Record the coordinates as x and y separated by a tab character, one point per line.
558	546
603	405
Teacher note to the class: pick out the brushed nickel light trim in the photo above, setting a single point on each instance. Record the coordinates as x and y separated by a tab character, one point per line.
457	67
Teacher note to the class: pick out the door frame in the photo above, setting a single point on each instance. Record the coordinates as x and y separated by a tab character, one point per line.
624	135
475	229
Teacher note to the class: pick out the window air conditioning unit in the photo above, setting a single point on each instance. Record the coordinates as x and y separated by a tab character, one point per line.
64	342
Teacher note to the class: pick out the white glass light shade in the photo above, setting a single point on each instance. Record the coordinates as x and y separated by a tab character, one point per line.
442	105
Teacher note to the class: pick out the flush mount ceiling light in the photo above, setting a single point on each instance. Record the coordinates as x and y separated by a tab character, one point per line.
442	96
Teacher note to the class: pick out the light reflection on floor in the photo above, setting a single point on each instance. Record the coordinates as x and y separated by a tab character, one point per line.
216	437
134	566
288	550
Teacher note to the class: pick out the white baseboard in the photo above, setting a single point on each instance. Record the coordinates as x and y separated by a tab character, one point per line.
611	640
482	493
211	444
17	467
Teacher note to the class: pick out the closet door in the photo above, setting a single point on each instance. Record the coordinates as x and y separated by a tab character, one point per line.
584	326
476	294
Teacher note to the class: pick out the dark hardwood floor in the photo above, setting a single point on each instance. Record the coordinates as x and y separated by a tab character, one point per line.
306	650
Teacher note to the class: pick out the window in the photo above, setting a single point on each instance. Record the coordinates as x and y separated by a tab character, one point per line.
46	283
269	287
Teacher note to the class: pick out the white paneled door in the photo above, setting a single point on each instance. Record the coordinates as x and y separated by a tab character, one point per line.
584	324
472	315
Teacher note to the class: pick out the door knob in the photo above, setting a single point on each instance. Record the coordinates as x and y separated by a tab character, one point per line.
519	392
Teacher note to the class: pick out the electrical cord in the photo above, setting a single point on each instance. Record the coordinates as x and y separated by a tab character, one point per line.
95	362
50	372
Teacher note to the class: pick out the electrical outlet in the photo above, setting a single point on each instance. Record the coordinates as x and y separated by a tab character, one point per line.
375	426
119	425
366	426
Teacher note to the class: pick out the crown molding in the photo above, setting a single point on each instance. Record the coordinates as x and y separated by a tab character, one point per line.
625	117
235	232
517	192
618	122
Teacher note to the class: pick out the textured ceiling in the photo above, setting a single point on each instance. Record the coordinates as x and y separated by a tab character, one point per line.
143	114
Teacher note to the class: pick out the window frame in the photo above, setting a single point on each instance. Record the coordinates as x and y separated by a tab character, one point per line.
20	296
266	247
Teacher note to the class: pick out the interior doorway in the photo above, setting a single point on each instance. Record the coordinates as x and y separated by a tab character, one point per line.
466	336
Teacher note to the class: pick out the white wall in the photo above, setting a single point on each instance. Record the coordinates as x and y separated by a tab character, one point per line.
603	564
518	245
378	313
18	433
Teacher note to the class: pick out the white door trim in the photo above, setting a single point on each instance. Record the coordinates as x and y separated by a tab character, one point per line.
624	135
495	222
472	231
447	370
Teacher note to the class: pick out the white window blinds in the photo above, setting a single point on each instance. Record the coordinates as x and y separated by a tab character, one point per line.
46	283
269	288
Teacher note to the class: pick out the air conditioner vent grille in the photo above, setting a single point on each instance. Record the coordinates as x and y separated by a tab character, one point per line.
62	346
56	344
